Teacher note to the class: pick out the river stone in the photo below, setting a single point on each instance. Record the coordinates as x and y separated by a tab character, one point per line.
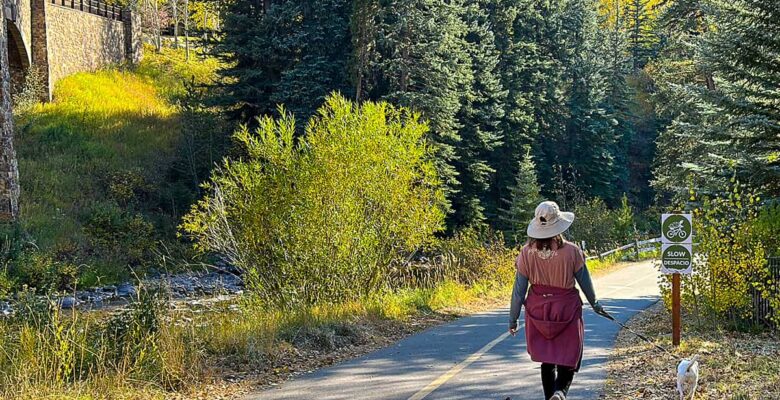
125	290
68	302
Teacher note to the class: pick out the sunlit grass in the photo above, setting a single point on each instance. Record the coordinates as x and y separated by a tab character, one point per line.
169	68
106	142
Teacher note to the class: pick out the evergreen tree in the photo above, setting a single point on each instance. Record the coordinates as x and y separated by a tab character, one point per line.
677	78
524	197
589	145
422	62
529	37
631	168
291	52
481	115
641	37
742	53
718	91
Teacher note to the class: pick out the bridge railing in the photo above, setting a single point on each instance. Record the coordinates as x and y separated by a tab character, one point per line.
96	7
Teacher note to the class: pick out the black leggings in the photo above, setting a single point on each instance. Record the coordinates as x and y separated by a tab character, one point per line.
552	382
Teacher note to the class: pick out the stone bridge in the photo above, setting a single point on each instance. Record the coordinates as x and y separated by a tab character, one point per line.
62	37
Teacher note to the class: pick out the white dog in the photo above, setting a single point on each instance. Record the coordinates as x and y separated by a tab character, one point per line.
688	376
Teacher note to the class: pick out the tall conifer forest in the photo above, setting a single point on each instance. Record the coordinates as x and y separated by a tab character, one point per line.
645	99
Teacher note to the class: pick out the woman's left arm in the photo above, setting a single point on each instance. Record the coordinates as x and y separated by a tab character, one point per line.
586	284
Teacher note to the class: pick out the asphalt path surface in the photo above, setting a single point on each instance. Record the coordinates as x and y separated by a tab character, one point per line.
474	357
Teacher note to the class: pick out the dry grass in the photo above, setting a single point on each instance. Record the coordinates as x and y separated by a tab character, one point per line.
733	365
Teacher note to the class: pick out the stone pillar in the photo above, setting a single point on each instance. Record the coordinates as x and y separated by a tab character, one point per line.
9	169
39	44
133	46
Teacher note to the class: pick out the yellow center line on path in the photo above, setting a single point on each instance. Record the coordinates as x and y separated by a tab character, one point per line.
454	370
474	357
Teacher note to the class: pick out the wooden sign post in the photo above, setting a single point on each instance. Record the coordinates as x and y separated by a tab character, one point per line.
676	259
676	309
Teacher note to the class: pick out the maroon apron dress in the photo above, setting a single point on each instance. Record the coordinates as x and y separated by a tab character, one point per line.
553	325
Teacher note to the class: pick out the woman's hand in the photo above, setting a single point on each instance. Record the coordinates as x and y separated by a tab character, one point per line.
513	329
599	309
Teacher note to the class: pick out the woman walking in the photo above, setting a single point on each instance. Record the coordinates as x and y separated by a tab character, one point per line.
553	309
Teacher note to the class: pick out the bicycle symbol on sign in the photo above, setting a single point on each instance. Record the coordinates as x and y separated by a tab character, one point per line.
676	230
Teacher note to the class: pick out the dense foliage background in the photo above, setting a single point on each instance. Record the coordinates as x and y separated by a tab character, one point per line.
492	78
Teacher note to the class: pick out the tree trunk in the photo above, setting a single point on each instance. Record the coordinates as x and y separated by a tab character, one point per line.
9	169
157	28
175	9
187	30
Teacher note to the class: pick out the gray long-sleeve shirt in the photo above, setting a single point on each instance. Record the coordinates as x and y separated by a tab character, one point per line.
521	288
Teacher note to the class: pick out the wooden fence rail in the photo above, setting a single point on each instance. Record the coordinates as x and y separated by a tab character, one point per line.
638	245
95	7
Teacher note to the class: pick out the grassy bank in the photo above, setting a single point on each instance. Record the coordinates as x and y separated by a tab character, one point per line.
103	173
733	365
150	351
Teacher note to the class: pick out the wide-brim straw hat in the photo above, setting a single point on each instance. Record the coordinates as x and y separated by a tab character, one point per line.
549	221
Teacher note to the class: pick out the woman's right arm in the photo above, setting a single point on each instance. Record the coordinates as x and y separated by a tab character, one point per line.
518	298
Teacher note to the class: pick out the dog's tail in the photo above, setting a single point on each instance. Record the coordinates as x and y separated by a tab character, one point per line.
694	359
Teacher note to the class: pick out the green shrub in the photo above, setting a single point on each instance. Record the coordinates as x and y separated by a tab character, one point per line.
729	260
321	219
603	228
40	270
28	93
111	230
768	227
476	254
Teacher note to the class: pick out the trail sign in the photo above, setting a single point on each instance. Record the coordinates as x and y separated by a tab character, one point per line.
676	258
676	228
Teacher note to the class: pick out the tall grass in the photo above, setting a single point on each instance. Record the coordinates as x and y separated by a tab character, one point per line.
134	354
149	350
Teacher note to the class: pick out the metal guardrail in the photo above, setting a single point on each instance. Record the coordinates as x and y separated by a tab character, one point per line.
111	11
762	308
638	245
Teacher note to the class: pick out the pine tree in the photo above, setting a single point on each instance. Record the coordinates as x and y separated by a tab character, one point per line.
719	93
481	115
641	38
422	62
291	52
742	52
631	158
528	36
677	79
524	197
588	148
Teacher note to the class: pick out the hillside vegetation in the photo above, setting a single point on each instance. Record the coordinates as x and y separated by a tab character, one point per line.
103	171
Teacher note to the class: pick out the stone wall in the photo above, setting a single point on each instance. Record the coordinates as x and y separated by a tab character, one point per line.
9	172
24	20
78	41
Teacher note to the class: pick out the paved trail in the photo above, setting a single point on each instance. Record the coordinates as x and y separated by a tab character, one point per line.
472	358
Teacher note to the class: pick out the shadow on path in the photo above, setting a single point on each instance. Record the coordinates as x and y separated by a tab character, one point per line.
506	370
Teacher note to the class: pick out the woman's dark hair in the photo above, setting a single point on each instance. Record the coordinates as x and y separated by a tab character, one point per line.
543	244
